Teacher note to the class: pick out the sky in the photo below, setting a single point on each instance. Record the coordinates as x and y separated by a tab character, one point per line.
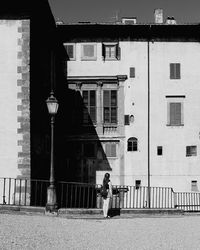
184	11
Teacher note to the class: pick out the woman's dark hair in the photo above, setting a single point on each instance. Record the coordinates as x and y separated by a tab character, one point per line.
106	179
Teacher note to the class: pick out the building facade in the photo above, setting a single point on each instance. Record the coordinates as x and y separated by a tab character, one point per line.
135	91
26	53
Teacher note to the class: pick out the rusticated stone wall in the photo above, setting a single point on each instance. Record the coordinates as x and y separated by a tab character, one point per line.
23	96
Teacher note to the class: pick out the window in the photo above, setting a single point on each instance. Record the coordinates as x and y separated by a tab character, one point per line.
110	106
132	72
88	52
111	51
132	144
159	150
110	149
194	186
175	110
89	109
175	71
137	184
126	120
191	151
70	49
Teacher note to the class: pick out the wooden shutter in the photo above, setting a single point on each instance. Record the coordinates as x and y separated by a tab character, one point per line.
103	51
132	72
172	71
70	50
175	113
178	71
126	120
118	52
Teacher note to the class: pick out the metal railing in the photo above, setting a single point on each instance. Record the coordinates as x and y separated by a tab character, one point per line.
25	192
187	201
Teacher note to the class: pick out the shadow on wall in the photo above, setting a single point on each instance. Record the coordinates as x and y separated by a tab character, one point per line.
79	151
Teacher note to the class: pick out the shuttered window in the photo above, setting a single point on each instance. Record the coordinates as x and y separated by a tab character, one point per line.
70	50
111	51
89	106
126	120
132	72
88	52
175	71
175	114
110	106
110	149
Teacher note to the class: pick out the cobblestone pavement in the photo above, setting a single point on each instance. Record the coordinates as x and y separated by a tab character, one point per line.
19	231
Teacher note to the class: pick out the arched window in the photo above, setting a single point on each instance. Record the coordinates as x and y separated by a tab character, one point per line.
132	144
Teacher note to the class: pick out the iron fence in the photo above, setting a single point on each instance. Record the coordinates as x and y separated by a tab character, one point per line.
187	201
25	192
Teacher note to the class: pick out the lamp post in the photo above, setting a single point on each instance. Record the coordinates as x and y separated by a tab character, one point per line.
51	206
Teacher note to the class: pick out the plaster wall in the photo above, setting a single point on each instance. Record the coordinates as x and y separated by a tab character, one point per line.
8	98
173	168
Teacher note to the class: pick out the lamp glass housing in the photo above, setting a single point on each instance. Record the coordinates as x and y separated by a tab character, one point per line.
52	105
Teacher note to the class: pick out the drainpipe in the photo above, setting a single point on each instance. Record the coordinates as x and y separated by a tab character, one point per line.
148	75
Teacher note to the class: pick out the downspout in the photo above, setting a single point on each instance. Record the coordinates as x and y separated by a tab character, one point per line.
148	123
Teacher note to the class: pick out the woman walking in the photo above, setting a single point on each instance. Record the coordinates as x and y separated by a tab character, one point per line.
107	187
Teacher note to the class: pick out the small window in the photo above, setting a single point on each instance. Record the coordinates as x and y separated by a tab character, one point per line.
137	184
191	151
110	149
194	186
159	150
88	52
111	51
175	71
126	120
132	144
132	72
70	49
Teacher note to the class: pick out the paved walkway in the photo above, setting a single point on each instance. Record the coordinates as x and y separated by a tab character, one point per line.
21	231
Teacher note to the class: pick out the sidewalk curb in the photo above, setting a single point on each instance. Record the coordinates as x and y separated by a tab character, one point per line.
95	212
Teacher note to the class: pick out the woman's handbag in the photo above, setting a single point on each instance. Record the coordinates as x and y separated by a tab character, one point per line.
104	192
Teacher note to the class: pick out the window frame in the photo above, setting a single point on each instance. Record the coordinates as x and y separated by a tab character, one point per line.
175	100
159	150
74	51
116	47
132	140
110	107
191	150
87	58
175	71
110	144
88	107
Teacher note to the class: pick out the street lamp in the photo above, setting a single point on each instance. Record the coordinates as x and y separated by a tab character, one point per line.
51	206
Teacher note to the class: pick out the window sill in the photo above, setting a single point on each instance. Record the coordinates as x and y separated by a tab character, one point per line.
89	59
180	125
110	59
